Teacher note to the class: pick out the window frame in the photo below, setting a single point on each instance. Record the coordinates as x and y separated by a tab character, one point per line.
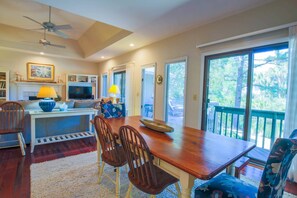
102	85
250	51
123	82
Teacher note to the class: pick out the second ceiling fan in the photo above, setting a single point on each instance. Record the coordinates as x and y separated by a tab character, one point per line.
45	42
51	27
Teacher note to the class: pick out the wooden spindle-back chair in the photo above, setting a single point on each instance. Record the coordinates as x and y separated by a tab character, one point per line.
112	152
12	121
143	173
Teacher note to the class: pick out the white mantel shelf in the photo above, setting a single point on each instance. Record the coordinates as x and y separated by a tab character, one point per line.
29	88
20	83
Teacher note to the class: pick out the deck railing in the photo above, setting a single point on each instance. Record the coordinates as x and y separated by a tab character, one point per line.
265	126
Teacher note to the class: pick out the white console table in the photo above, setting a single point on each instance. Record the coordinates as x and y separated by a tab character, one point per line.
58	138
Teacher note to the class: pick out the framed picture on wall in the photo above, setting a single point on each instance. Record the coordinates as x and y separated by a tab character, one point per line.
40	72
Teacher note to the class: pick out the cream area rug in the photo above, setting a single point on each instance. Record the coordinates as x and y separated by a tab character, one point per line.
77	176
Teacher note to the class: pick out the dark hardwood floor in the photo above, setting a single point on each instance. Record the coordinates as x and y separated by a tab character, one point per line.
15	169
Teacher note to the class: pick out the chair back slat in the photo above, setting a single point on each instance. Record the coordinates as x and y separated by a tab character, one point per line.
12	117
274	176
110	150
139	157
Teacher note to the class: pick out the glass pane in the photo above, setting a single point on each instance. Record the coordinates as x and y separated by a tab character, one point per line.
269	96
148	90
104	86
175	92
119	78
227	95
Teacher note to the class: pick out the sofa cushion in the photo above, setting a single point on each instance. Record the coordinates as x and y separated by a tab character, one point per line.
30	105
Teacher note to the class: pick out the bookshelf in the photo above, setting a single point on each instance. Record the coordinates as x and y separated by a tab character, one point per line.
4	85
82	80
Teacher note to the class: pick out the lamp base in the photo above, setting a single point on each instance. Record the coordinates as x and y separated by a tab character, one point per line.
47	105
114	100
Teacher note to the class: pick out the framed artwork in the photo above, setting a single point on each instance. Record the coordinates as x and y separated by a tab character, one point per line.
40	72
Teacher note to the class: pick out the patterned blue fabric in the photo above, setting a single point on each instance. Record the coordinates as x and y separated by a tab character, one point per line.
110	110
225	185
273	179
275	172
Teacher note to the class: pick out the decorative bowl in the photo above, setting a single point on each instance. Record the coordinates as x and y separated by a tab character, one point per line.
157	126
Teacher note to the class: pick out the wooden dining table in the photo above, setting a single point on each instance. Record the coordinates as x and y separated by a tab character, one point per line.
187	153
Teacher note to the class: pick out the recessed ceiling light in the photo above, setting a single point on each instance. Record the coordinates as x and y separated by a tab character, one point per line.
41	53
131	44
102	57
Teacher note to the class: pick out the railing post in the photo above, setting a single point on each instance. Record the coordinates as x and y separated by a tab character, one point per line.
273	129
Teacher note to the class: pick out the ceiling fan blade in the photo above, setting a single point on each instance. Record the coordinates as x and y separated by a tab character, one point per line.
34	21
63	27
55	45
36	29
61	34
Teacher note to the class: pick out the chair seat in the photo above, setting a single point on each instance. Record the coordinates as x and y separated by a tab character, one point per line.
259	156
118	163
164	179
225	185
7	131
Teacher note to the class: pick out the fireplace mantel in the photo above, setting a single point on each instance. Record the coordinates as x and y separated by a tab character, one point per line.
29	88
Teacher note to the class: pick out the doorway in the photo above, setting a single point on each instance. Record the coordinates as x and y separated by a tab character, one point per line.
148	91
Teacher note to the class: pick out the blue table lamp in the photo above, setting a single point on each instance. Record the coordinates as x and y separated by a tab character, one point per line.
47	93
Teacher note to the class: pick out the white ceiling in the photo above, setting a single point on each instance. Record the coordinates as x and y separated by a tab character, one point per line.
12	12
149	21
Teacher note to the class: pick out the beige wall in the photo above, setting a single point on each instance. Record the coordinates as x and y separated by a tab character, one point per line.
275	14
16	62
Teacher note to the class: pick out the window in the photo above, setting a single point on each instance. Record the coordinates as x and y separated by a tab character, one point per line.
148	91
119	79
175	91
245	94
104	87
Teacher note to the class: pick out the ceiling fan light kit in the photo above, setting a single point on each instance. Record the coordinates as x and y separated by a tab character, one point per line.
51	27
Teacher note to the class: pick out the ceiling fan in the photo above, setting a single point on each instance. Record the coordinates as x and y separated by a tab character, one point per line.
51	27
45	42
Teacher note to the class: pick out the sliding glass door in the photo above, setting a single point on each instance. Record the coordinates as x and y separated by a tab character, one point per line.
227	94
245	94
269	91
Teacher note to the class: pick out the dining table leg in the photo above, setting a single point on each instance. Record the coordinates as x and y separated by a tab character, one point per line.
231	169
187	182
